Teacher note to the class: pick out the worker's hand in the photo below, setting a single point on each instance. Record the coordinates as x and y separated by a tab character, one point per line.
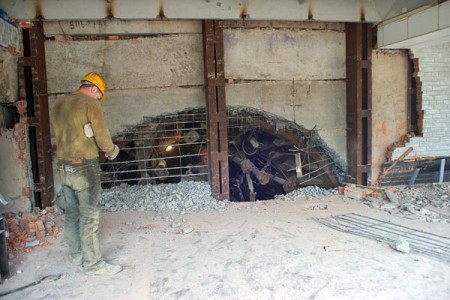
113	154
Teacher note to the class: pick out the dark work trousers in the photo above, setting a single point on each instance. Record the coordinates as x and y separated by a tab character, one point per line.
81	184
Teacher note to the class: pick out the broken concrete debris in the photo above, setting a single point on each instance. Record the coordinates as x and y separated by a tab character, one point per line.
420	201
28	230
391	196
401	245
180	197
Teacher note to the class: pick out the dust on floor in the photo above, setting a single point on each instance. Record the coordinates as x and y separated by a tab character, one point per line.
261	250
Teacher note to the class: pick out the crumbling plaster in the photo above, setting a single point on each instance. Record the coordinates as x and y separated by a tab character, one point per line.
15	181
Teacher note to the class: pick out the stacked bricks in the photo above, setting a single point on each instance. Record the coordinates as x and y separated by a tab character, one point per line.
27	230
434	73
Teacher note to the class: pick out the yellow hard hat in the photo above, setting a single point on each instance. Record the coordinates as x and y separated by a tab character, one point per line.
96	80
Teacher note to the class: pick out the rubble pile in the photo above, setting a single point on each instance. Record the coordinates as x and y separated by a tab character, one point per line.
428	202
28	230
179	197
307	192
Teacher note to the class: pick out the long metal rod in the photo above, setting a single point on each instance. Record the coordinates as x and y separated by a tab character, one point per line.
152	169
159	146
154	177
409	234
155	138
149	159
388	240
140	131
416	245
397	225
170	123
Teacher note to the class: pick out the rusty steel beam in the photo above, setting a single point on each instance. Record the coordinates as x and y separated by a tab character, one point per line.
216	108
359	101
33	88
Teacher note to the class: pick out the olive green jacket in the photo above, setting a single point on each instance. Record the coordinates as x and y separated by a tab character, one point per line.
68	117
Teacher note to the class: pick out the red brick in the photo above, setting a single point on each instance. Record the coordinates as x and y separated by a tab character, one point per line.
31	228
27	217
377	195
40	235
36	211
40	225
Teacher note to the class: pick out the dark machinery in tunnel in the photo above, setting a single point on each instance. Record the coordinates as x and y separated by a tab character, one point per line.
263	161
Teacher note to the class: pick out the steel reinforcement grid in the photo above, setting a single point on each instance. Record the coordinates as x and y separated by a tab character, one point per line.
419	241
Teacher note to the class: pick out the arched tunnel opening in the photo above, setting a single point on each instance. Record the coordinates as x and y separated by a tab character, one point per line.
268	155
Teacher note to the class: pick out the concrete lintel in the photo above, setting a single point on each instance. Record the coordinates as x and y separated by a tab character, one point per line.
427	26
295	10
121	27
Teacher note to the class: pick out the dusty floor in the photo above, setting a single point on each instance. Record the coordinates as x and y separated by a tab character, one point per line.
263	250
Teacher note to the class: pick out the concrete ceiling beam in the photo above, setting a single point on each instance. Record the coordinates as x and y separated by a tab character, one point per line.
292	10
425	27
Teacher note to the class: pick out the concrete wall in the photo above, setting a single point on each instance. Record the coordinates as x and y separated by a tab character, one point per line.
389	103
295	71
434	73
15	181
146	76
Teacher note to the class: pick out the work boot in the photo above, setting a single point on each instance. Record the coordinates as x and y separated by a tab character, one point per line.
76	259
104	269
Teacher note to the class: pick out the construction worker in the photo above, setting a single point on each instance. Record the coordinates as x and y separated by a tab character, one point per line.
80	131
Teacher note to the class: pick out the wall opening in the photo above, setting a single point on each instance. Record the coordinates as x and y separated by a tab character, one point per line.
9	115
415	112
268	155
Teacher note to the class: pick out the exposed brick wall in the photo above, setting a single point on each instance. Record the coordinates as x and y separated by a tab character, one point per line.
434	73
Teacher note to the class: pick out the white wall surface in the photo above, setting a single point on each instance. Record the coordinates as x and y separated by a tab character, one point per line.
434	73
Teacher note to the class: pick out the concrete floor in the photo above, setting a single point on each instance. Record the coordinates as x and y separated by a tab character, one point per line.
262	250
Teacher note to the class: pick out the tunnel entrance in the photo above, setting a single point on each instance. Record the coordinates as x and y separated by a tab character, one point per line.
268	155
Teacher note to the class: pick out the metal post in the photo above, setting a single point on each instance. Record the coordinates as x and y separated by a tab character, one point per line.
4	266
441	173
216	108
413	178
359	101
33	88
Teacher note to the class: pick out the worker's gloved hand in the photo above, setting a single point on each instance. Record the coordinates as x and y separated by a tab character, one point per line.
113	154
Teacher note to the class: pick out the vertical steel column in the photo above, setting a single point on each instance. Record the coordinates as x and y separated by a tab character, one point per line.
33	88
216	108
4	256
359	101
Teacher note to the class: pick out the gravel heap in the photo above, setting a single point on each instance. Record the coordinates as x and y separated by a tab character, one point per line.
437	195
308	192
429	202
180	197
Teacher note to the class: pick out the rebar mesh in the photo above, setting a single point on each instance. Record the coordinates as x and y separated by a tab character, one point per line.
419	241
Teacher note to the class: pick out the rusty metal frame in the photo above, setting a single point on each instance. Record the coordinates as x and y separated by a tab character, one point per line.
33	88
359	101
216	108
